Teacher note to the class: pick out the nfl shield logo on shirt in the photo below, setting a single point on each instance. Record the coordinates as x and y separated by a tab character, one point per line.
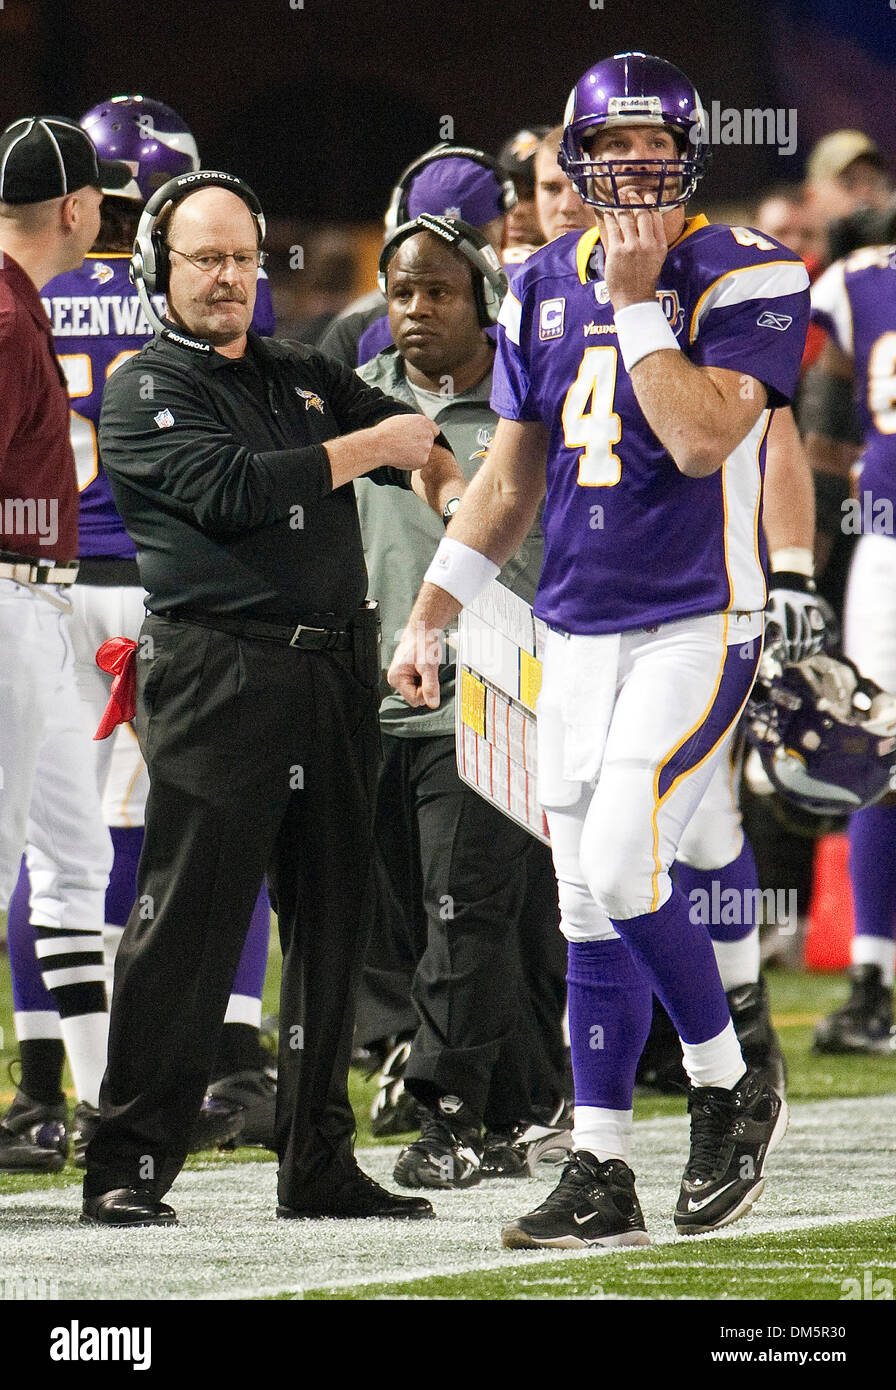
550	323
164	419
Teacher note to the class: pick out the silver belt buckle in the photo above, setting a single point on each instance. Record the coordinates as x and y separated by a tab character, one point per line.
301	628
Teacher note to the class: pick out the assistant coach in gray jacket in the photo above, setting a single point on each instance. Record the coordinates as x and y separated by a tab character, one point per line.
467	933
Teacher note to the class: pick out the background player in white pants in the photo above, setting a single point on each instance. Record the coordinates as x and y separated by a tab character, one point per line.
855	301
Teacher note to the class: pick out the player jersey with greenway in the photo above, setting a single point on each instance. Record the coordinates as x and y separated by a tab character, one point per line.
97	324
629	540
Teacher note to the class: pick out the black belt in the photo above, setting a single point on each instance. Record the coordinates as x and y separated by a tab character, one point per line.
314	639
25	570
100	571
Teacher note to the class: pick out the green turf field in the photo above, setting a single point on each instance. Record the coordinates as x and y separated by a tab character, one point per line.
825	1228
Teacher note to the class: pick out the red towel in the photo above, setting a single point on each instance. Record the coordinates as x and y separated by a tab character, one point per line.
118	656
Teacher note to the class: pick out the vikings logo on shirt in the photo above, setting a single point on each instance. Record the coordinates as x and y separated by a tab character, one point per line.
484	439
102	273
310	399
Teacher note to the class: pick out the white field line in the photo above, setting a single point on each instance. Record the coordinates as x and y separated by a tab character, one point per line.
836	1164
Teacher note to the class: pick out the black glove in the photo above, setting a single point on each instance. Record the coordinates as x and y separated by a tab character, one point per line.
797	616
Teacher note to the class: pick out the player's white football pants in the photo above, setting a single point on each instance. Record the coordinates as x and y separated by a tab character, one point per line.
631	729
869	609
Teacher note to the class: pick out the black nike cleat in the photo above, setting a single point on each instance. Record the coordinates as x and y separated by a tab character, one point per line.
594	1206
448	1153
732	1134
515	1152
252	1095
864	1024
33	1136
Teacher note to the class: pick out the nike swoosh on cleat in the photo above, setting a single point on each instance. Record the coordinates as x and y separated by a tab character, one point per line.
580	1220
698	1206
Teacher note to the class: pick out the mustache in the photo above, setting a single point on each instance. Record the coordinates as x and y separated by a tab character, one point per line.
234	294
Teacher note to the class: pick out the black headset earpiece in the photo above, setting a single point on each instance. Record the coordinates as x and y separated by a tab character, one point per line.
489	280
397	214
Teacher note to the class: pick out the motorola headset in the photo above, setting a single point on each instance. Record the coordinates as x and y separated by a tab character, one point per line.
398	205
490	283
150	261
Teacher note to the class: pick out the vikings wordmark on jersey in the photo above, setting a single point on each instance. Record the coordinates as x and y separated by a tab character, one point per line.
670	546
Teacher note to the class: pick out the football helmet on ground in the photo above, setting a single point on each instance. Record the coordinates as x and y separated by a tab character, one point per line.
826	735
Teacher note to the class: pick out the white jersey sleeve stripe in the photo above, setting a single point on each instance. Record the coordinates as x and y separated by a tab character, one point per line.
769	281
511	317
830	299
742	500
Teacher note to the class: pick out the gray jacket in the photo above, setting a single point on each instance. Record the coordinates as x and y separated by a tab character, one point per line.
401	533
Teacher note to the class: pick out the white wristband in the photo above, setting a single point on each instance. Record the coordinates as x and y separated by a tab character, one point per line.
642	329
460	570
792	559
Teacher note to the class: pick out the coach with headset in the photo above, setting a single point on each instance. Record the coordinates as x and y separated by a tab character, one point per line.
231	459
468	899
448	180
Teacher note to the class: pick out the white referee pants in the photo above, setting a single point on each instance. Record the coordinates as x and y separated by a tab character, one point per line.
48	795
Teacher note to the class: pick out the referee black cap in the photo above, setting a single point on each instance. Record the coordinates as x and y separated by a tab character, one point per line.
44	157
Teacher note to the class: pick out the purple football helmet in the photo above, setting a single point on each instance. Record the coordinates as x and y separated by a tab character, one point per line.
148	136
826	735
634	89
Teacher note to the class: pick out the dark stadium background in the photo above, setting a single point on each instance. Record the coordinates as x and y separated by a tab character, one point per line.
319	105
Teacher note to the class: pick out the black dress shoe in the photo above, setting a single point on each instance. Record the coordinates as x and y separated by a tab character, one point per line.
357	1196
127	1206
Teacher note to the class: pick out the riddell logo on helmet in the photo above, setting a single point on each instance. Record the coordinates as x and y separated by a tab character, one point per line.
635	106
753	126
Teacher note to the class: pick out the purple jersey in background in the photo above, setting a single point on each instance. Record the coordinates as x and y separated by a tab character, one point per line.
629	540
855	302
97	324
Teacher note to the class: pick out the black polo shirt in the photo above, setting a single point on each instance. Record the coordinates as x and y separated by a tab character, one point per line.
218	469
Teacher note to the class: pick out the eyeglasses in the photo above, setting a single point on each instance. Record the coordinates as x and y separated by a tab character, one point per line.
212	261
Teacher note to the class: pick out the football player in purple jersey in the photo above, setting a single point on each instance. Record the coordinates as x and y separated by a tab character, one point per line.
855	302
637	367
97	324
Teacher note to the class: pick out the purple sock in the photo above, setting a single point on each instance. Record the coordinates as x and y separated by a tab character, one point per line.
29	993
127	842
610	1007
727	893
249	979
872	870
677	958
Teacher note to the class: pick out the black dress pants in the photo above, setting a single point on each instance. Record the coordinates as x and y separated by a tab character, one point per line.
467	900
262	758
